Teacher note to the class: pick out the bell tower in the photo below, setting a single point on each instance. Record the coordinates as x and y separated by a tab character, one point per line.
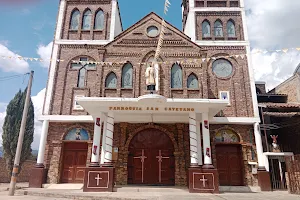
220	28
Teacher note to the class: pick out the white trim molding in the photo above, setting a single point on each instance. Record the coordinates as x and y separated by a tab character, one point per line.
221	43
88	42
52	69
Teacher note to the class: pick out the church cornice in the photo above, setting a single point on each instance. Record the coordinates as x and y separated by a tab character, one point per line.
81	46
88	1
182	55
125	54
151	42
223	47
219	13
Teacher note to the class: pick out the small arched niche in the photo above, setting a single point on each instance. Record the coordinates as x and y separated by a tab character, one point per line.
226	136
77	134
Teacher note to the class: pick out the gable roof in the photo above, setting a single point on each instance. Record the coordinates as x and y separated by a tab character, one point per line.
152	15
297	70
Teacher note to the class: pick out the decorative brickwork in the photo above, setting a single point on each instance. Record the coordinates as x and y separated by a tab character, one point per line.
124	132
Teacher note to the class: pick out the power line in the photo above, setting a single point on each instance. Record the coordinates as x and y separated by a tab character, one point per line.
7	78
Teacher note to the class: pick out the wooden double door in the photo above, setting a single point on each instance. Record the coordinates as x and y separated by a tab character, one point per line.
74	162
151	159
230	165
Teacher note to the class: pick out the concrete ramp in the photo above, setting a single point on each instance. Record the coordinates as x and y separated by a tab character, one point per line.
65	186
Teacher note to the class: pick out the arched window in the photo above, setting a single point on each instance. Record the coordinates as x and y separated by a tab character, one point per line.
83	66
231	29
99	20
111	81
176	76
87	20
74	24
81	78
127	76
218	29
205	29
192	82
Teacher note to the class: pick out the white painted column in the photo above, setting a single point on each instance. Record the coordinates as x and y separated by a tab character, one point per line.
157	85
193	139
200	161
109	138
259	146
96	140
103	139
113	20
206	141
42	147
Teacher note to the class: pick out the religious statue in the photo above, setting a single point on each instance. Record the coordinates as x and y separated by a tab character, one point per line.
77	134
274	143
150	78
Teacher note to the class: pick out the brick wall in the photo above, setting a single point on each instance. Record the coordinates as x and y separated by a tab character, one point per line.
291	87
22	177
127	47
92	34
124	132
224	17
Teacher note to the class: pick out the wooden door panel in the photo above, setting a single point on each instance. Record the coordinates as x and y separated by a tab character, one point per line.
152	171
74	162
229	164
68	166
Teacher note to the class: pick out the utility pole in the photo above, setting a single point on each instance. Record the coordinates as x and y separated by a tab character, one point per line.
15	171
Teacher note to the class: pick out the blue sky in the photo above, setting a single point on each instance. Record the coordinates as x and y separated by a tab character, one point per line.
33	24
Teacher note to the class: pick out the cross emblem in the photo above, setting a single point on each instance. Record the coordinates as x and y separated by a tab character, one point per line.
83	66
98	178
160	159
203	180
142	157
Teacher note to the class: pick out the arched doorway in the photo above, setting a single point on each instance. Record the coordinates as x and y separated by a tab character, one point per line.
151	159
75	148
229	158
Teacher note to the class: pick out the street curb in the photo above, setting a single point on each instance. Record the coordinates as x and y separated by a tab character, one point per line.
87	196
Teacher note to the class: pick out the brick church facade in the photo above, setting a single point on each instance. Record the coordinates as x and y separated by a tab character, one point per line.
101	81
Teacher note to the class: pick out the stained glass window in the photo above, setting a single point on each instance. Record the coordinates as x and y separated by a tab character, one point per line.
83	66
205	29
111	81
218	29
230	29
226	135
176	76
192	82
99	20
127	76
87	20
75	20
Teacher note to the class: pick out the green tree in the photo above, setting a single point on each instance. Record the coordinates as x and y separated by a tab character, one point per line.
11	129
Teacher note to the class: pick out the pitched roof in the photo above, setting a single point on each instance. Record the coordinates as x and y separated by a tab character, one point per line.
179	32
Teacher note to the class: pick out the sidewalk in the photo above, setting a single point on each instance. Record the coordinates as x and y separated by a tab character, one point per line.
155	194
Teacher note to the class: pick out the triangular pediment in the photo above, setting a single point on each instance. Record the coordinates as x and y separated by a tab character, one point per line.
137	35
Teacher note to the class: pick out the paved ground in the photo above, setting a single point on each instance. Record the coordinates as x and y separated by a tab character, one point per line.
136	193
51	195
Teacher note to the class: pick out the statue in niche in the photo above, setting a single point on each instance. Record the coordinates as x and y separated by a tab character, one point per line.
150	78
77	134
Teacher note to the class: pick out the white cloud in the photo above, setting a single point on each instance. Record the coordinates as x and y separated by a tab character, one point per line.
272	26
4	42
37	101
44	51
14	64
